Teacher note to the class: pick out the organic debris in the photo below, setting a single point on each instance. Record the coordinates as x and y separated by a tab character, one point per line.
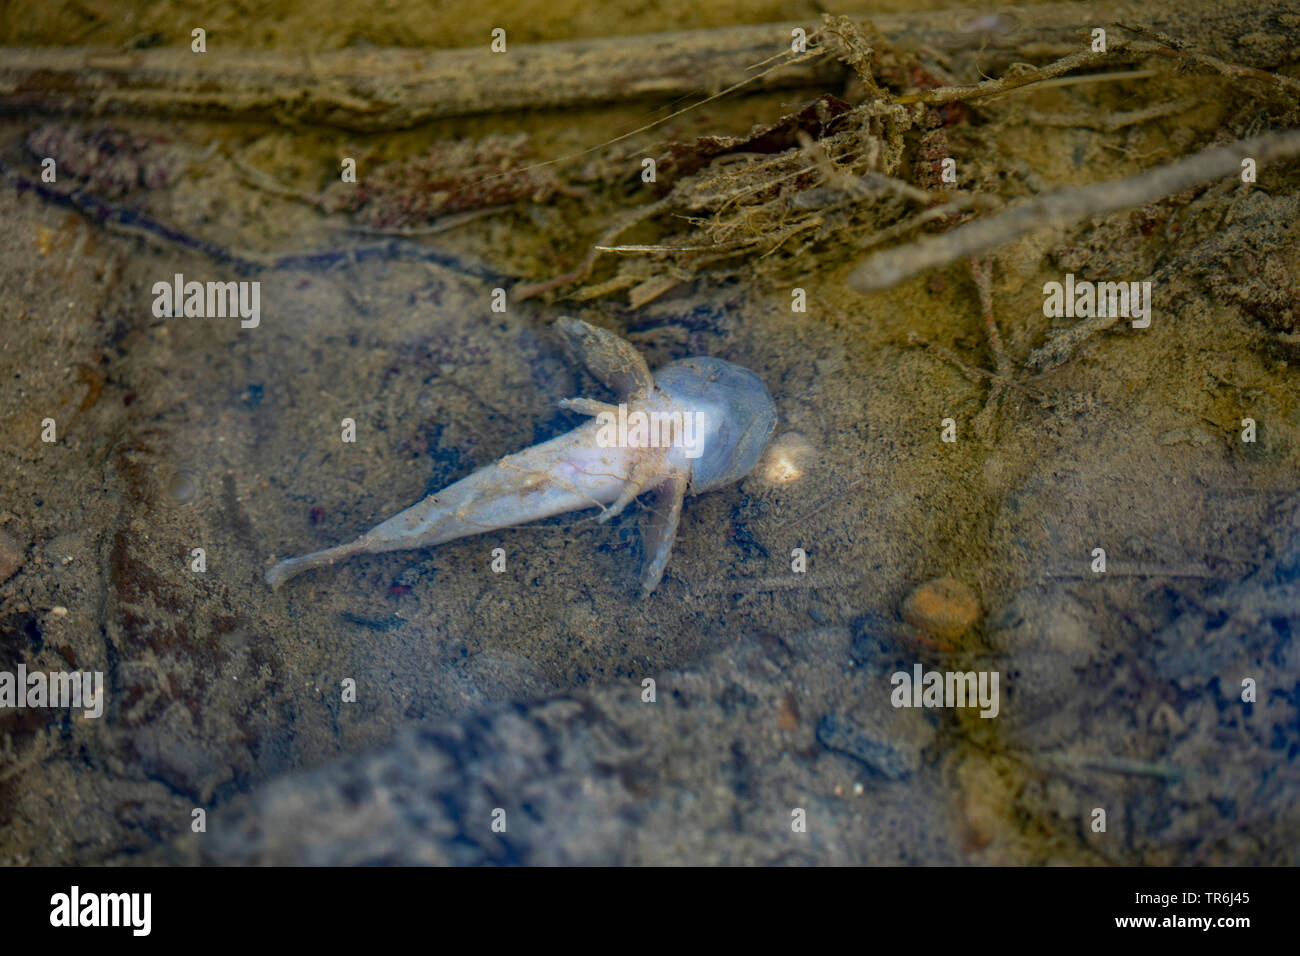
110	162
815	181
454	176
835	178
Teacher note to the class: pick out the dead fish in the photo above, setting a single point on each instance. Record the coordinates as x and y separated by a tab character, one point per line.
699	424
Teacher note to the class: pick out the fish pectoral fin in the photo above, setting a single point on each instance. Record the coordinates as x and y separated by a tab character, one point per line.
661	532
613	360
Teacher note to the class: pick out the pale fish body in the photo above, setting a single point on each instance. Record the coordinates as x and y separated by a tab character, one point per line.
728	414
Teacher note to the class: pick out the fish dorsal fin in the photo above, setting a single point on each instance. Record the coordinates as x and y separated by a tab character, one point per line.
613	360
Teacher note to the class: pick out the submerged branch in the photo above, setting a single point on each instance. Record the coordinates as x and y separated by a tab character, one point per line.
368	89
1064	207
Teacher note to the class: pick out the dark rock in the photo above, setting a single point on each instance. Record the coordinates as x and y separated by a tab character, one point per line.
839	733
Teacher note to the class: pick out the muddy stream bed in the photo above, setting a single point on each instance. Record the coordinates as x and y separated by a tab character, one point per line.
381	709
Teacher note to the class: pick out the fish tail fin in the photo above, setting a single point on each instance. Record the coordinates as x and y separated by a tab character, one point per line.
291	567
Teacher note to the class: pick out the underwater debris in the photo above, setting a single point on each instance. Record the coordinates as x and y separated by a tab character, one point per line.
110	162
1063	207
834	178
453	176
813	182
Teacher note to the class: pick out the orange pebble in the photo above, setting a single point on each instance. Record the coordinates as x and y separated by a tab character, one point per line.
943	608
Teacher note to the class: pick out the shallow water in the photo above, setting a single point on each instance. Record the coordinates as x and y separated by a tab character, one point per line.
772	687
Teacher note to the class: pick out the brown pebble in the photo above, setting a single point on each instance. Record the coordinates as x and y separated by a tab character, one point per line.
943	608
11	556
787	717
